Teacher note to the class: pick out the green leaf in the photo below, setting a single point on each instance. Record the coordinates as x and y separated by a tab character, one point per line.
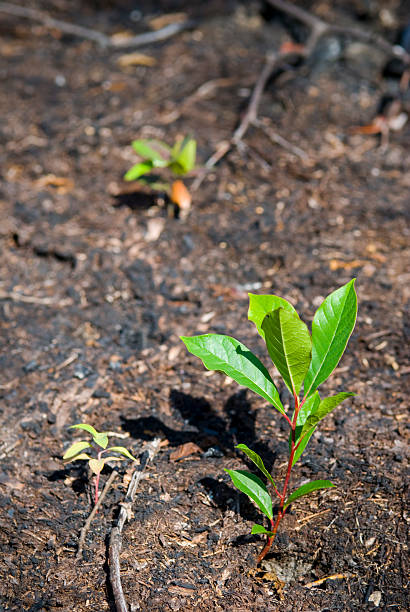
261	529
75	449
332	326
289	344
154	151
230	356
101	439
302	446
96	465
261	305
112	458
256	460
79	456
306	489
254	488
89	428
138	170
308	407
326	405
123	451
186	155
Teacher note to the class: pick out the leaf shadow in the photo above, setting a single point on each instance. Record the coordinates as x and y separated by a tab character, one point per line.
209	428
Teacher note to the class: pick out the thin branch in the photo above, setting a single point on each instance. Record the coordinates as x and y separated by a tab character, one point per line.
271	63
148	38
32	299
102	39
93	512
279	140
321	28
125	513
318	29
63	26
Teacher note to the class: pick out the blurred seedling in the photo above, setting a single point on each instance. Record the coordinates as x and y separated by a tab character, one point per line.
158	159
301	359
98	444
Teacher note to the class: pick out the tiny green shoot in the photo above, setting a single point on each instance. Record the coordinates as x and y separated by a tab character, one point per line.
159	158
98	445
303	360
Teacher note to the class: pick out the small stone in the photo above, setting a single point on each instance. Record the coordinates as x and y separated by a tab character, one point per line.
375	598
100	394
81	371
31	366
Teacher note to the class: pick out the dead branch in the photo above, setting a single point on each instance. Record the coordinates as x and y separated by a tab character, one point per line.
287	55
116	533
93	512
102	39
322	28
31	299
279	140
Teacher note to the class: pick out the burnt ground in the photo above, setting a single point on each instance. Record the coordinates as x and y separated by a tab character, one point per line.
98	281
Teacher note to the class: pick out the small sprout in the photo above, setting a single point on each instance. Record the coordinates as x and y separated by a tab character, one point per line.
156	155
301	359
96	464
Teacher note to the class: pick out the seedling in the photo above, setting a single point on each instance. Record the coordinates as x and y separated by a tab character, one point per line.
100	441
301	359
156	155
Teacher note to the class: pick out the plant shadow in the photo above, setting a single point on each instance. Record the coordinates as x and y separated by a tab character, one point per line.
211	430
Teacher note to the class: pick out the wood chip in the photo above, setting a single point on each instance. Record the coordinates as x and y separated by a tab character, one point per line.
136	59
185	450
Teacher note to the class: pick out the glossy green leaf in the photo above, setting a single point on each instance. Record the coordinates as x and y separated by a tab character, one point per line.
325	406
186	155
332	326
85	427
306	489
261	529
123	451
257	460
138	170
302	445
261	305
309	406
289	345
75	449
152	150
254	488
96	465
230	356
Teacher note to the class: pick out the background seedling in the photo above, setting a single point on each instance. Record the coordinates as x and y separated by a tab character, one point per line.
156	156
100	442
302	360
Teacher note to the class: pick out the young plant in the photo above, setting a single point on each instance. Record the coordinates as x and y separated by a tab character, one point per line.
301	359
157	155
100	441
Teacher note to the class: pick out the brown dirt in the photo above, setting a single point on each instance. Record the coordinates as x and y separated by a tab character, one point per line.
97	284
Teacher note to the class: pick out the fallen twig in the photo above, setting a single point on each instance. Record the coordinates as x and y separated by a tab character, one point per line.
94	511
288	54
125	512
321	28
32	299
102	39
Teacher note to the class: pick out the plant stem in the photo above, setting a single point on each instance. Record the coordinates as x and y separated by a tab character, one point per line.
97	481
96	484
281	511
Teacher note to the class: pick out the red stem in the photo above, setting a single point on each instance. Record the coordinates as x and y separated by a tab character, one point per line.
281	511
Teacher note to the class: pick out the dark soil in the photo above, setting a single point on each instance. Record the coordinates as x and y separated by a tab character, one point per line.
97	282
